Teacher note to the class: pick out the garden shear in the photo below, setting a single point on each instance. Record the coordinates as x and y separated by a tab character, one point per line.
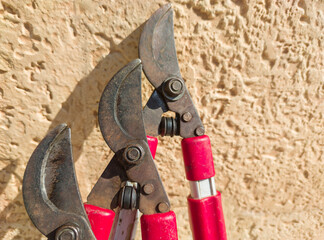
131	182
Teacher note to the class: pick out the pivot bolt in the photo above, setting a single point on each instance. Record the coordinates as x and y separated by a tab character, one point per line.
163	207
176	86
148	188
133	153
173	88
67	233
186	116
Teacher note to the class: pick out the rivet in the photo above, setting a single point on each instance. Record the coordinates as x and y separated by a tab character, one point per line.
199	131
163	207
148	188
186	116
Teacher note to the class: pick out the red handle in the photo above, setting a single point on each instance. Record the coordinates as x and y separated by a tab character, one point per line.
198	158
152	142
101	220
206	218
160	226
205	211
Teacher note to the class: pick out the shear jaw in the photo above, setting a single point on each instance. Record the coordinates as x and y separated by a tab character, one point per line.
160	64
50	190
122	126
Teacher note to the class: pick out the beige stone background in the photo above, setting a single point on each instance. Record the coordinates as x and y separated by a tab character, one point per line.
254	69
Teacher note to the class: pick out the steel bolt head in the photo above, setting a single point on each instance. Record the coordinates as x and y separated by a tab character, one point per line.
148	188
176	85
163	207
172	88
187	116
67	233
199	131
133	153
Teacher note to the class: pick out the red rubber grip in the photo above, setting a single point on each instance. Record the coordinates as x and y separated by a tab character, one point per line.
152	142
198	158
101	220
206	218
159	226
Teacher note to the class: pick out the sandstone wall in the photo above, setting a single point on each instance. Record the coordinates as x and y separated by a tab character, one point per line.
254	69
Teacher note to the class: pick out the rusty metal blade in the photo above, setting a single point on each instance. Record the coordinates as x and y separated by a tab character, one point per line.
120	108
157	47
160	64
50	190
122	125
105	192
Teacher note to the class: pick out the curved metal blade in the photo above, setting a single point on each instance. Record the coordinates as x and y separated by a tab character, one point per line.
157	47
120	108
122	125
159	58
50	191
105	192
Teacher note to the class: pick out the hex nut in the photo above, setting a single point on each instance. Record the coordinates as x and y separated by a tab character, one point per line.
173	88
133	153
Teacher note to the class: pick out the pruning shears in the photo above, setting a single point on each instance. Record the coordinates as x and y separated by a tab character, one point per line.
130	183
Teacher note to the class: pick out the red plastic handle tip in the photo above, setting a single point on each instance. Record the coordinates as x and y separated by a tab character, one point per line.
101	220
198	158
160	226
152	142
206	218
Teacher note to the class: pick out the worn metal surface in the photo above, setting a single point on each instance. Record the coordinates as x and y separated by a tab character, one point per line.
160	64
254	69
122	126
120	107
50	190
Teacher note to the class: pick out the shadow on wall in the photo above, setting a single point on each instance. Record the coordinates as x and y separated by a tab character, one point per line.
80	112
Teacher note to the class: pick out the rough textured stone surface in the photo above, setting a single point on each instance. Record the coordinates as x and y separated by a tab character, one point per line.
254	69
